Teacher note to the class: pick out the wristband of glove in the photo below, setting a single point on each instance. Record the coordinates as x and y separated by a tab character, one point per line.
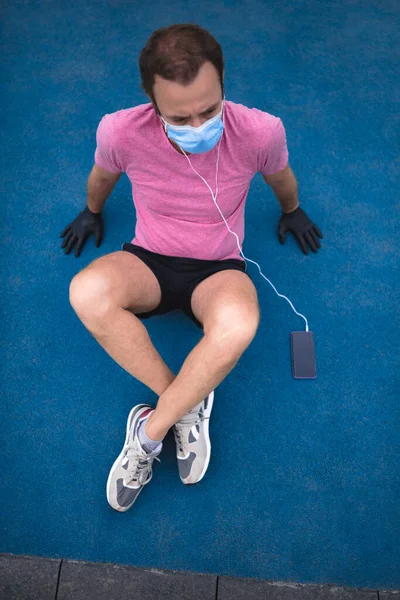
93	214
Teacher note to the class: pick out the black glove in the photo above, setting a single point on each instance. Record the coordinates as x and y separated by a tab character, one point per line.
304	230
79	230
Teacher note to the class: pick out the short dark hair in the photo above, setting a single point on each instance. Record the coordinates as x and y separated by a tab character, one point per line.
176	53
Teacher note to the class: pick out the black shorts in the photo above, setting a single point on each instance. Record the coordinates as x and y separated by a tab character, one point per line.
178	277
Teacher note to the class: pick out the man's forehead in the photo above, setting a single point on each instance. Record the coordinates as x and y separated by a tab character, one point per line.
202	91
184	108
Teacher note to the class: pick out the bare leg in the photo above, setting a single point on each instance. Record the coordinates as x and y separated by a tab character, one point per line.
104	295
226	303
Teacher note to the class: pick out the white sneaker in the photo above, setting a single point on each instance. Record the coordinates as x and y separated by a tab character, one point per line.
133	468
193	446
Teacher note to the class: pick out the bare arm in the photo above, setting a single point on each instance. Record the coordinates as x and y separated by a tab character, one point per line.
284	186
293	219
99	187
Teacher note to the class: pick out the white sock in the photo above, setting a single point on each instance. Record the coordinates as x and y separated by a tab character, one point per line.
147	443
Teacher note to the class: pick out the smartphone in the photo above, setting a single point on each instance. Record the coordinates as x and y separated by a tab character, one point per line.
303	355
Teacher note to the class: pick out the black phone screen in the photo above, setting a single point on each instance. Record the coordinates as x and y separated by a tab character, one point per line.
303	355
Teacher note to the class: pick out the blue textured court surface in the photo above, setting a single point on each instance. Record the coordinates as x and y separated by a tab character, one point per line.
303	483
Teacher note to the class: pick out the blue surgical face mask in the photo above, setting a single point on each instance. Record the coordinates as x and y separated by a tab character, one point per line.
196	140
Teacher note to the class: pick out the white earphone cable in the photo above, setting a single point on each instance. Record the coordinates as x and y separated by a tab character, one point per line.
233	233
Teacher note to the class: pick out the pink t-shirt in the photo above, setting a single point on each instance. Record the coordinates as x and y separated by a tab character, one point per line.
176	215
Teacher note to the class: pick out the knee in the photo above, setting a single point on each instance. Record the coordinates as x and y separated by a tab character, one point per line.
235	328
90	294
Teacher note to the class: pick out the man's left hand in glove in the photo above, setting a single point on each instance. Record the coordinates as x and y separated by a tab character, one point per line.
293	218
303	229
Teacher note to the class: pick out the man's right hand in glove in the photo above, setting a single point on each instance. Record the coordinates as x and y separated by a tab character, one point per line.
76	234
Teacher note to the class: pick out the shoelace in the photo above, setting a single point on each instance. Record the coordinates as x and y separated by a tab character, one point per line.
141	469
189	419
